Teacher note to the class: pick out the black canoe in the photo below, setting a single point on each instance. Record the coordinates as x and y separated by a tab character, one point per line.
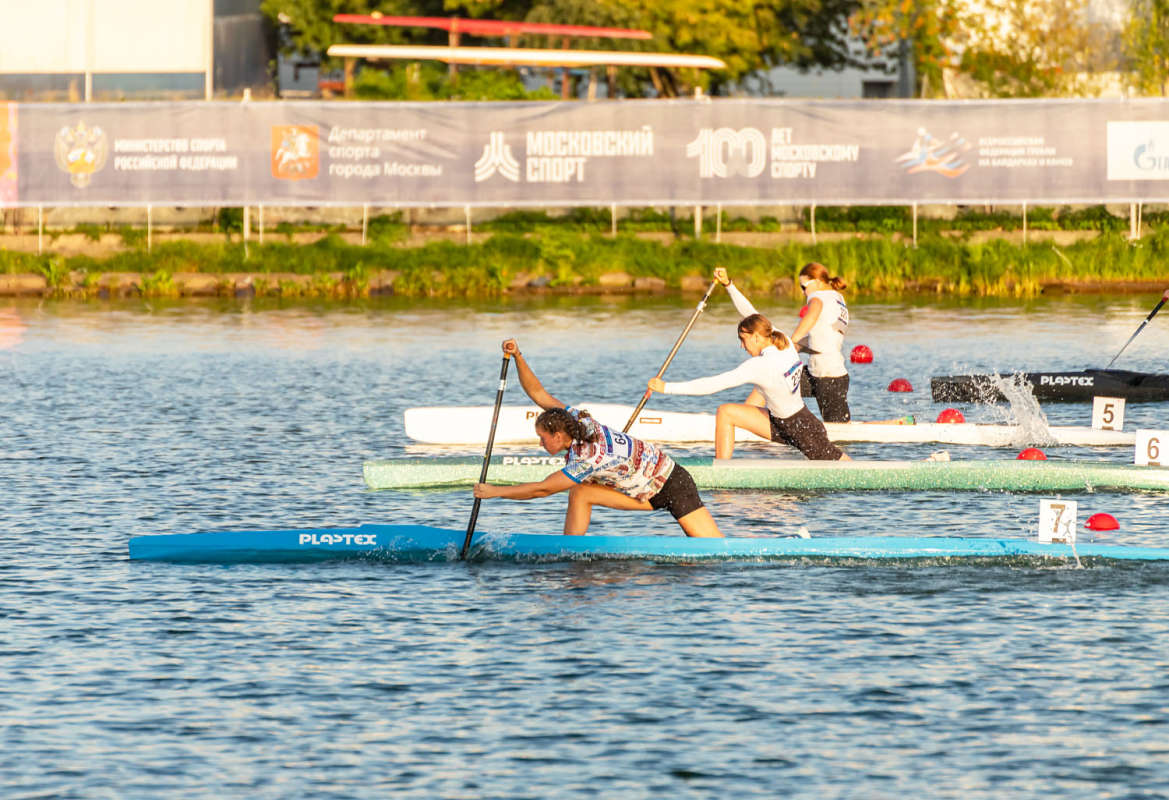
1079	386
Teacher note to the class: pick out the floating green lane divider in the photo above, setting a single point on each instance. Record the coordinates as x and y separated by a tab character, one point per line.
780	474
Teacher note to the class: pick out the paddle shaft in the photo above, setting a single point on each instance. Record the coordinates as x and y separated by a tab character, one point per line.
486	455
1152	314
673	352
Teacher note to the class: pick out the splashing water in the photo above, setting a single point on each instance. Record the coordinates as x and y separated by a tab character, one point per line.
1022	409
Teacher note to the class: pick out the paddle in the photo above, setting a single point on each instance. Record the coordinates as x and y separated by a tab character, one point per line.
673	352
1152	314
487	455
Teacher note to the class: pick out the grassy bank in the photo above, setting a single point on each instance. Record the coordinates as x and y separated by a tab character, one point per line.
552	259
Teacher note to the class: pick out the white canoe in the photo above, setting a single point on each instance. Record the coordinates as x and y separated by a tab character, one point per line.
469	425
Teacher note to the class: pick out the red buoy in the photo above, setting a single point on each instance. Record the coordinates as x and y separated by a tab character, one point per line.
951	415
1102	522
860	354
803	310
900	385
1032	454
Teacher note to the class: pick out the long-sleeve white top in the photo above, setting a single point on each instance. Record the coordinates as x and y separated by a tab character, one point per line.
774	372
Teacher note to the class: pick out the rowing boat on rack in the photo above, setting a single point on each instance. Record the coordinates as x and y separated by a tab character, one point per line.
790	474
415	543
468	425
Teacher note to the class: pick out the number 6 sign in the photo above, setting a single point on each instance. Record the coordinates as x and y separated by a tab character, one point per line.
1151	448
1057	521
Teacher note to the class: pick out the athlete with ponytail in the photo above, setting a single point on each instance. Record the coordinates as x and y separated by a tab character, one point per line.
774	369
824	324
603	467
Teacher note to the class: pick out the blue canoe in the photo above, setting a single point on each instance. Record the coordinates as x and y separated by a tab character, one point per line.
415	543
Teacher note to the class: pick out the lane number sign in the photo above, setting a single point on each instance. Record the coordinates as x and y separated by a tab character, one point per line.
1108	413
1057	520
1152	448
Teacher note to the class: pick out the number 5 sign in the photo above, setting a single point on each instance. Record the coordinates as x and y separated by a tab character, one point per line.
1057	521
1151	448
1108	413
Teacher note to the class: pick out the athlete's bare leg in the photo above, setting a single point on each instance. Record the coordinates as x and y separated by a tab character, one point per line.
583	496
699	523
738	415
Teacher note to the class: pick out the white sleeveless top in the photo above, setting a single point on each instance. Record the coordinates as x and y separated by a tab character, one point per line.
774	372
827	336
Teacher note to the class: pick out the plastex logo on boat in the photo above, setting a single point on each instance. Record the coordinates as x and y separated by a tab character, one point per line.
526	460
1066	380
295	152
81	152
338	538
930	154
1138	151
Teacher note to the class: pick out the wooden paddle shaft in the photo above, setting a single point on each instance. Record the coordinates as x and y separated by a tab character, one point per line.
673	352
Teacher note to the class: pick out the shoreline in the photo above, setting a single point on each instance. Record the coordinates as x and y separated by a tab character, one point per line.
453	263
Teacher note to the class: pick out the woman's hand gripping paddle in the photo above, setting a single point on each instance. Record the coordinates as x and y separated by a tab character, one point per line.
487	455
673	352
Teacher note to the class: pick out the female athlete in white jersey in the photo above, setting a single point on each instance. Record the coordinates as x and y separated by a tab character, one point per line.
824	325
603	467
774	369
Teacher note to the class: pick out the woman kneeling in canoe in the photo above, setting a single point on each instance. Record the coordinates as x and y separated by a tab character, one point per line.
602	467
774	369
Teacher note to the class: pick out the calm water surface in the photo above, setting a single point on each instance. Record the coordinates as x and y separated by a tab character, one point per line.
539	681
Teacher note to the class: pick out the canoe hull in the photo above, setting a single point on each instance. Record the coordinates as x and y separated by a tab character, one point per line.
773	474
1071	387
468	425
420	543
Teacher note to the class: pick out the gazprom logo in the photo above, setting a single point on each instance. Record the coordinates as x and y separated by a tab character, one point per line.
1147	159
726	152
1138	151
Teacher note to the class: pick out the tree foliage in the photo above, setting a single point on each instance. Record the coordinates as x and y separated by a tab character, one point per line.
748	36
1146	46
1037	48
1001	48
928	27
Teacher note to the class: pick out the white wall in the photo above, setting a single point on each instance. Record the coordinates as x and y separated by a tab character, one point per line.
56	36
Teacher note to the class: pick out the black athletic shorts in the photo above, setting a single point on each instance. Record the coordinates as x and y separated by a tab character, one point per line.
679	495
831	396
803	431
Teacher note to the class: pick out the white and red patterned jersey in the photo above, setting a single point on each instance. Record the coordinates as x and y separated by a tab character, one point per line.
633	467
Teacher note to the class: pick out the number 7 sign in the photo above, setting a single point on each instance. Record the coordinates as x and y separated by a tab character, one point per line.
1057	520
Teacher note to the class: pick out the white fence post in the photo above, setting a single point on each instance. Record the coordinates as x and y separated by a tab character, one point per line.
467	213
364	222
149	229
697	222
261	208
613	220
813	223
40	230
247	223
718	223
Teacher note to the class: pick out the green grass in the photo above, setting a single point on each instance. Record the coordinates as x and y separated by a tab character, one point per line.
578	255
